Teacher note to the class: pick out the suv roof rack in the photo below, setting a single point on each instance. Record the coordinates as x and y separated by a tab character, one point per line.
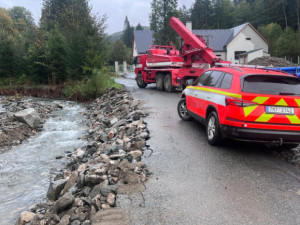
240	65
232	65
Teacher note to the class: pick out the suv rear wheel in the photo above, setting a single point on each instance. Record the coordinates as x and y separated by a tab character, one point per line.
182	110
213	133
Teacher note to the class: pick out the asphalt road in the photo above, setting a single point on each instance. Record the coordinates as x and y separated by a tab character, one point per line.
195	183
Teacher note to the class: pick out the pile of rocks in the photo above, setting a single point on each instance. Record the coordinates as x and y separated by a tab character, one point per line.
271	62
94	174
20	118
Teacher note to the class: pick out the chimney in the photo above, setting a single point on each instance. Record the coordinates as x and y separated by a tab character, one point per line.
189	25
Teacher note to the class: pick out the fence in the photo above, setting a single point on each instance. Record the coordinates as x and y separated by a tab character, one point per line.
123	69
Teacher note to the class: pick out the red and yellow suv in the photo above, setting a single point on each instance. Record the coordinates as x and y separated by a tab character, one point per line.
245	103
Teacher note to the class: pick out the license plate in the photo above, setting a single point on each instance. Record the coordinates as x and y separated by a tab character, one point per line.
280	110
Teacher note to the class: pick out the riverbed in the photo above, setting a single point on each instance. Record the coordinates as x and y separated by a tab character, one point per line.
25	170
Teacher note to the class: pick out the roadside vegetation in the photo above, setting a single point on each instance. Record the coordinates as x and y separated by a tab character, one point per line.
70	49
277	20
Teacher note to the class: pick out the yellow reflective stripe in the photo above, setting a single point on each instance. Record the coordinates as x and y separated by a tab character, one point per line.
264	117
260	100
293	119
281	102
298	102
249	109
216	91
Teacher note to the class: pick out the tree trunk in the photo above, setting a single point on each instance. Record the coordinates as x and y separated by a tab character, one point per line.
298	8
284	12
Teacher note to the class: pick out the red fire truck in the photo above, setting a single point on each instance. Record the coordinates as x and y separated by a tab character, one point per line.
169	67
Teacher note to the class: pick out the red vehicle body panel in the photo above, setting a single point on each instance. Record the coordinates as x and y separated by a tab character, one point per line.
252	114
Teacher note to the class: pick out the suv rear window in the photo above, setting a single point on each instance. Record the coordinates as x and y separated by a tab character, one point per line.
274	85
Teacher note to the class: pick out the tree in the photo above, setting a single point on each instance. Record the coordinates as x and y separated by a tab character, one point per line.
202	14
284	12
222	14
56	57
118	52
287	43
36	59
184	14
7	54
84	34
6	23
127	33
260	13
242	13
7	45
271	32
21	17
161	12
139	27
154	15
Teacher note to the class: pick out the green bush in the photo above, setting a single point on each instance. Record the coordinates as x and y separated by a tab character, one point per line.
4	82
91	87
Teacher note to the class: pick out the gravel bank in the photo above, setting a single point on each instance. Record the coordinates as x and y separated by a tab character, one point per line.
86	190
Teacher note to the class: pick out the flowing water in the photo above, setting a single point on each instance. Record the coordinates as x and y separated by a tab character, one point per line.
25	170
1	108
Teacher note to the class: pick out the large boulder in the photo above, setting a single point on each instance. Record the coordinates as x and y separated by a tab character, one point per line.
25	218
28	116
64	202
55	188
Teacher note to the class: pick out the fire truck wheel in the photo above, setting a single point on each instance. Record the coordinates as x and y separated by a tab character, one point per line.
168	83
160	82
140	82
213	133
182	110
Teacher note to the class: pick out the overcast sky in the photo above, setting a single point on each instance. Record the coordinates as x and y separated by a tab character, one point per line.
116	10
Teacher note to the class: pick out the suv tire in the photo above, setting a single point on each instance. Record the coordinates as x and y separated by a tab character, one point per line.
213	133
182	110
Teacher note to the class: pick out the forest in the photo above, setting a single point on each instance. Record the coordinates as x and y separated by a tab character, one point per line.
277	20
70	44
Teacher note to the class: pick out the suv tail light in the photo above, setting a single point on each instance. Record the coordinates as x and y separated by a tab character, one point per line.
238	102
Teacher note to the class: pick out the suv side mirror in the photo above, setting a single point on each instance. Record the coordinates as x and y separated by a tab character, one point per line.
189	82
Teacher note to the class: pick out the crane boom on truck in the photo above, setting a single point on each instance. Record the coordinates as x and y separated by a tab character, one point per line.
170	68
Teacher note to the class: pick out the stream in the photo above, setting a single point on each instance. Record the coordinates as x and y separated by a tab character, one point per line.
25	170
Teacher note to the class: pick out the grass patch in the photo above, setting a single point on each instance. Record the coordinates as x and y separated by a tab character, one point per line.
92	87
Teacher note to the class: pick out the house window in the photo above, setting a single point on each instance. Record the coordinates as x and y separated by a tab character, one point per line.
219	55
248	39
237	53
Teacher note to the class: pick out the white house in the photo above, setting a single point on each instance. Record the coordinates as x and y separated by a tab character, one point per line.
239	44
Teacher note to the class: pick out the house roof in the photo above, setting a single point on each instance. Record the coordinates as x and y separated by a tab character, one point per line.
144	39
218	39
